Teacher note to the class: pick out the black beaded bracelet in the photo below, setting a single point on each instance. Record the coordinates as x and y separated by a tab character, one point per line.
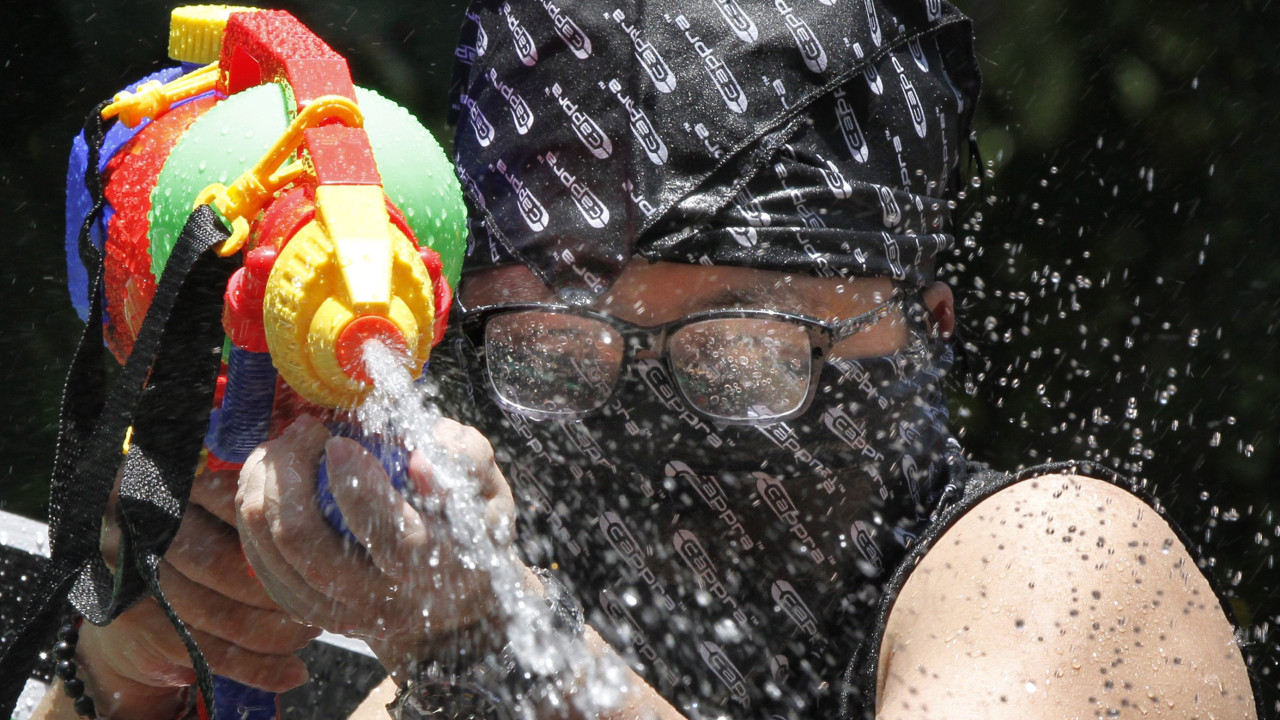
65	653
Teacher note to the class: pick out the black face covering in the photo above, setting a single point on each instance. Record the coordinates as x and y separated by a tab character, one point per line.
736	562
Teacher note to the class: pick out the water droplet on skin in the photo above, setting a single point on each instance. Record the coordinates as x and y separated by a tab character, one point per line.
1030	687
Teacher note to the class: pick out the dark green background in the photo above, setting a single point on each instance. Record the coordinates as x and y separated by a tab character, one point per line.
1133	147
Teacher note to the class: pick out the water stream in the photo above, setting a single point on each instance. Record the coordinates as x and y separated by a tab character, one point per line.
401	410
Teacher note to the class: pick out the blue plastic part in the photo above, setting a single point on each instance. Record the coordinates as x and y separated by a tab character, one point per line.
78	200
244	419
235	701
394	459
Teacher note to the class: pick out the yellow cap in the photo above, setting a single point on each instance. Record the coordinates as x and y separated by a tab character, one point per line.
195	31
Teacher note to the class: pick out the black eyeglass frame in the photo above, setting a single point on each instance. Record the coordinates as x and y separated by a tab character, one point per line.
823	335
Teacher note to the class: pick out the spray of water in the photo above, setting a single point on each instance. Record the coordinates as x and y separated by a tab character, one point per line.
400	410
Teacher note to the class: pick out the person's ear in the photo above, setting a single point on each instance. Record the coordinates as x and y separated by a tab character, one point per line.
942	308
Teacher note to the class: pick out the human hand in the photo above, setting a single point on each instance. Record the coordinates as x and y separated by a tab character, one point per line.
138	667
412	580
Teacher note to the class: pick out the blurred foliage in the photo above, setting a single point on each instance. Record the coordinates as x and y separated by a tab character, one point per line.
1118	286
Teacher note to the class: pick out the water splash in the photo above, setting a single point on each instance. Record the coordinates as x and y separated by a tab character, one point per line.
400	410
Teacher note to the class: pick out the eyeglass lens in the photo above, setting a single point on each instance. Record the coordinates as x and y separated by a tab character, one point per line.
731	368
552	362
742	368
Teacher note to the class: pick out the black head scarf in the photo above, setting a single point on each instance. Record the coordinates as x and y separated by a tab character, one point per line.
819	137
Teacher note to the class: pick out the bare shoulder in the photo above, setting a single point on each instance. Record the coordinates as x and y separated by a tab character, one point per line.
1060	597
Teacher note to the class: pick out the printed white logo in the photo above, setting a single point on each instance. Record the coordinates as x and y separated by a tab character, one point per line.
591	279
620	537
750	207
594	211
903	172
569	31
892	214
723	667
852	369
520	112
521	40
793	605
705	136
583	126
913	474
849	129
873	79
917	54
638	199
654	148
585	444
528	484
482	38
839	186
865	541
466	54
891	254
869	72
873	22
708	488
663	79
653	375
699	561
815	58
933	8
535	216
913	100
811	218
720	73
779	501
779	668
739	22
853	433
479	123
746	238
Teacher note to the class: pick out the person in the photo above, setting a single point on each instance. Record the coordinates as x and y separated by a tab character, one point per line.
703	346
697	378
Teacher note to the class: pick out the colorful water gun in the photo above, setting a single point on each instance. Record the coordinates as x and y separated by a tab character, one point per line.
345	211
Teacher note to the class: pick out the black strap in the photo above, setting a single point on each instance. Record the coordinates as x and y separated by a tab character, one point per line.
164	391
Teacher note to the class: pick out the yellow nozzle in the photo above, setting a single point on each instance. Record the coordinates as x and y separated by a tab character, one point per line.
346	277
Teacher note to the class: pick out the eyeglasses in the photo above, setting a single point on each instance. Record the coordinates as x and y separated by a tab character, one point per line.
738	366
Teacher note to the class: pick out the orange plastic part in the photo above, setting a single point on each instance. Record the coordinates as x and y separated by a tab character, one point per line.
131	176
350	345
